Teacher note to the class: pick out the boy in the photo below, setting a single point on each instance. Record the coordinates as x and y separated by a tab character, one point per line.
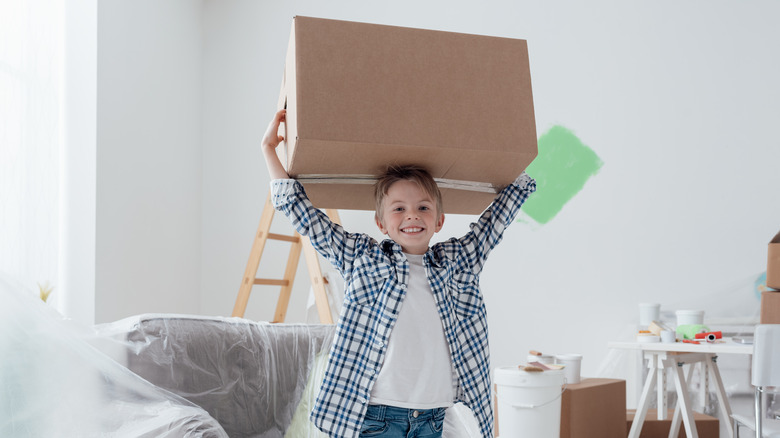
412	336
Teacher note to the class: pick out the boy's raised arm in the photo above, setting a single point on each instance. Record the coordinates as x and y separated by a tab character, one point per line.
271	140
488	231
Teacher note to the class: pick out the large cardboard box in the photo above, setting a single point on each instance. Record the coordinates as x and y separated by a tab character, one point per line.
706	426
770	307
594	408
773	263
360	97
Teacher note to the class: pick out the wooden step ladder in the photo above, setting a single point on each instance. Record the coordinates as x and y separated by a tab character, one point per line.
298	244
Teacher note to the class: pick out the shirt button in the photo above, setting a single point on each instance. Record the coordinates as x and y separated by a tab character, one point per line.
380	344
363	400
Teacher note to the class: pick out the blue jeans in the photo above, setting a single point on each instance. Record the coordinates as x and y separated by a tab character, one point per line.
391	422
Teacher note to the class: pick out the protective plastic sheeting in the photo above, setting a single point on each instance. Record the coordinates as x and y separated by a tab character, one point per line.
53	383
250	376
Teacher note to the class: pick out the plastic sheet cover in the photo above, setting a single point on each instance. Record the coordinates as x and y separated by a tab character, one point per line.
158	375
54	383
256	379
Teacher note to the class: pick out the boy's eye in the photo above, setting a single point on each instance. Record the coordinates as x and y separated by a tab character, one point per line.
424	208
398	209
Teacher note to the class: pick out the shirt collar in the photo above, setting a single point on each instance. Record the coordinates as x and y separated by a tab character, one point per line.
394	250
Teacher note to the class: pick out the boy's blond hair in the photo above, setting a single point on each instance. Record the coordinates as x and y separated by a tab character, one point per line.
408	172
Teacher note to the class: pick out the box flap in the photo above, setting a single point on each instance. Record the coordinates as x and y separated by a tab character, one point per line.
776	239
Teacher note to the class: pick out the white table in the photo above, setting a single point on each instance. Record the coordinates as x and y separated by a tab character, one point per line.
661	356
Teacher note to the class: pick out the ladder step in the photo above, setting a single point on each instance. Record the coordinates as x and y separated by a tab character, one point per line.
271	282
299	244
274	236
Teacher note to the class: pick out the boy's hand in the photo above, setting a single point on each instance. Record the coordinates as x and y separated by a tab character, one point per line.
271	140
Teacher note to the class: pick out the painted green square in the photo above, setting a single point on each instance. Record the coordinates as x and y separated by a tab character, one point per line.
561	169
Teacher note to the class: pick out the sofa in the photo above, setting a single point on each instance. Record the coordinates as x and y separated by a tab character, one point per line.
162	376
256	379
251	377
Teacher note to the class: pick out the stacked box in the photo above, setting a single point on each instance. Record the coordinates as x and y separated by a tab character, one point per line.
770	307
594	408
770	299
706	426
360	97
773	263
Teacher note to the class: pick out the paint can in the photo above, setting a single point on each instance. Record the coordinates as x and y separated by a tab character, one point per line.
572	364
690	317
648	312
529	403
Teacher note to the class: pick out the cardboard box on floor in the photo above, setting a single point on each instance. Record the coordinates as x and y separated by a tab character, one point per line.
773	263
360	97
706	426
594	408
770	307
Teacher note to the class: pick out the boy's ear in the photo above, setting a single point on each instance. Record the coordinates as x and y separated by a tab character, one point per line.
379	224
440	222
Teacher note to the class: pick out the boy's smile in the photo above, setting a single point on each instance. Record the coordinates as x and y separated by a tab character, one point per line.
409	216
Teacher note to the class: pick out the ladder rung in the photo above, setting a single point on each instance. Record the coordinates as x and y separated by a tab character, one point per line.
271	282
284	237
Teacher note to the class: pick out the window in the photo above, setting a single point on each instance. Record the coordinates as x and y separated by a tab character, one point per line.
31	61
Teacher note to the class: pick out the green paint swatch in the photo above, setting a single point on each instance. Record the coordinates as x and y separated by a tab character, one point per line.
562	167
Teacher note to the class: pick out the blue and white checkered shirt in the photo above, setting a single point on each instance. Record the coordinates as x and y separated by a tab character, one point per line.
376	275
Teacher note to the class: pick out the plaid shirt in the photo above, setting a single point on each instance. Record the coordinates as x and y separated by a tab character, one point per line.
376	275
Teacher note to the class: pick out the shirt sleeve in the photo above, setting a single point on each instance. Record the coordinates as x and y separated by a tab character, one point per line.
489	229
328	238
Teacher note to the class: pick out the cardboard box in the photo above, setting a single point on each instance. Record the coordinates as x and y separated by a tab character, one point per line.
773	263
360	97
594	408
706	426
770	307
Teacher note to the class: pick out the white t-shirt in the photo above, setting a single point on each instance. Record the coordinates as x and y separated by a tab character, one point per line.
417	370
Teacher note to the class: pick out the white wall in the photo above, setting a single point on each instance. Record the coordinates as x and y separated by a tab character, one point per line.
148	158
678	99
78	164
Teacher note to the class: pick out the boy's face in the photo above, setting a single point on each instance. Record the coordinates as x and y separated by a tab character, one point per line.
409	217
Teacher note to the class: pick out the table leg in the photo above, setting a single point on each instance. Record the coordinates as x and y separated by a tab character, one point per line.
644	399
660	391
674	430
720	391
684	402
704	389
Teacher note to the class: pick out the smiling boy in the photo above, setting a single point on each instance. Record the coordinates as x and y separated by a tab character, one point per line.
412	336
406	211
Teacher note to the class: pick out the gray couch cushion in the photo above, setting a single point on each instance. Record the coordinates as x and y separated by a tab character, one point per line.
249	376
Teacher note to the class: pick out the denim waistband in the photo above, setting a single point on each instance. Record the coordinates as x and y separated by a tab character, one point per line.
383	412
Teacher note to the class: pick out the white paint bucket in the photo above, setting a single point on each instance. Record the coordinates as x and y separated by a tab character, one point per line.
648	312
685	317
529	403
572	365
